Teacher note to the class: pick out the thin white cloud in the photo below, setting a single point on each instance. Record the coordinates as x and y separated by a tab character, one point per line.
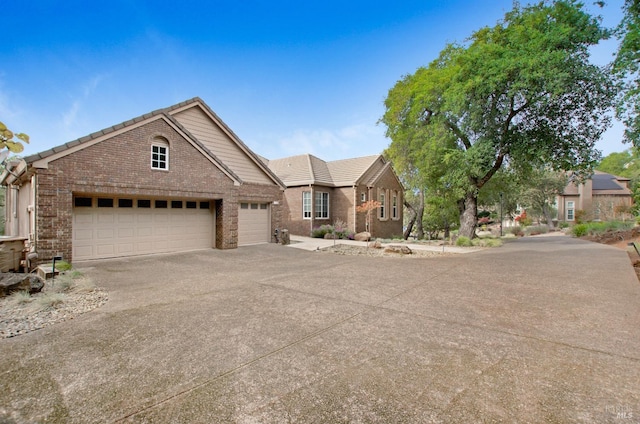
353	140
70	117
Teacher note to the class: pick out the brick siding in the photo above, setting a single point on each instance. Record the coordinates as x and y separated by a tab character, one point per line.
120	165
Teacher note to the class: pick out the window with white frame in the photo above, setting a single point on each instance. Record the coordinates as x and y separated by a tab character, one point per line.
394	206
160	154
306	204
383	210
570	210
322	205
363	197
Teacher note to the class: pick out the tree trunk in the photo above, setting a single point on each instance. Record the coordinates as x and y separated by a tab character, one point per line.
420	215
468	215
412	220
547	215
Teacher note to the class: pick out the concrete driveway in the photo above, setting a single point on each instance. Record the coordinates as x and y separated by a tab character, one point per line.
540	330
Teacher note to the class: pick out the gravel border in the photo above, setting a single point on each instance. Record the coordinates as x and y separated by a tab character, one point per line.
22	318
348	249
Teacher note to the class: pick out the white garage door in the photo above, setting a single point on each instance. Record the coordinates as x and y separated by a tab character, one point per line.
107	228
253	223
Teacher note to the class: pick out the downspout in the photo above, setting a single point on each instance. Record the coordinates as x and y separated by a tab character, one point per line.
313	209
355	205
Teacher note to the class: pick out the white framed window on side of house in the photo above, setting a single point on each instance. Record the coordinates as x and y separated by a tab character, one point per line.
570	210
383	205
160	154
322	205
306	205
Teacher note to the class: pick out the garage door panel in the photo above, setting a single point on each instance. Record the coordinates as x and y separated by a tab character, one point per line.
253	224
105	218
111	232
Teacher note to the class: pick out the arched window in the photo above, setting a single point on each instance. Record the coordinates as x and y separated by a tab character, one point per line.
160	153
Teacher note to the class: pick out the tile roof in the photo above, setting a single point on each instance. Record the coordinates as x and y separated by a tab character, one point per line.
308	169
166	113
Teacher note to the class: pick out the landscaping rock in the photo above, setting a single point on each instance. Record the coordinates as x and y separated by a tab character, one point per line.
12	282
329	236
375	245
402	250
363	236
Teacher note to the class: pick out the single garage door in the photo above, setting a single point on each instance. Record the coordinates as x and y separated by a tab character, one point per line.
113	227
253	223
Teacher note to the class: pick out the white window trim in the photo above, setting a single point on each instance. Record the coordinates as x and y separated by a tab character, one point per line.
570	206
310	205
318	205
394	206
166	160
382	216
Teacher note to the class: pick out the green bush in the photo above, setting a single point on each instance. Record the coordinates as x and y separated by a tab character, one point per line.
580	230
63	266
463	241
319	232
563	224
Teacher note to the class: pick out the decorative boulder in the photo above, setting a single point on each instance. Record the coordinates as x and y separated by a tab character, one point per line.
363	236
375	244
12	282
329	236
401	250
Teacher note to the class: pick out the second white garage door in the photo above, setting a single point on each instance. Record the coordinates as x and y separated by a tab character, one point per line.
253	223
106	228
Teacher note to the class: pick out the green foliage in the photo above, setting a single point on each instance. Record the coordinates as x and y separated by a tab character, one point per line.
8	139
592	228
321	231
627	68
463	241
579	216
580	230
63	266
515	93
339	232
486	242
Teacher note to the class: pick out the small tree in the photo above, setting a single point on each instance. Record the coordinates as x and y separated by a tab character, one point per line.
366	208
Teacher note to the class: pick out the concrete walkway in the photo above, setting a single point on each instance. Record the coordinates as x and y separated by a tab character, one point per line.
539	330
309	243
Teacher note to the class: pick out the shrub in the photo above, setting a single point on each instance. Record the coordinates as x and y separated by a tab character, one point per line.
563	224
486	242
516	231
463	241
579	216
63	266
20	297
580	230
319	232
62	283
50	300
537	229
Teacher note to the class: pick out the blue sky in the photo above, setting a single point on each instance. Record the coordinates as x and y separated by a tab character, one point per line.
289	77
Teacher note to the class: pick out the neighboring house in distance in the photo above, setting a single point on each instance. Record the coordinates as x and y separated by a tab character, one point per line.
320	192
599	197
175	179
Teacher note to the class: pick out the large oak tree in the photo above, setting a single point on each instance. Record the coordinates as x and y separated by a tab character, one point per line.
521	93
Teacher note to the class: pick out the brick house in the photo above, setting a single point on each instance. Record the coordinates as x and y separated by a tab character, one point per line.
320	192
175	179
600	197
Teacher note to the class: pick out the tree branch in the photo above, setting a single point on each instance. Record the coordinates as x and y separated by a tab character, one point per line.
496	165
461	136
